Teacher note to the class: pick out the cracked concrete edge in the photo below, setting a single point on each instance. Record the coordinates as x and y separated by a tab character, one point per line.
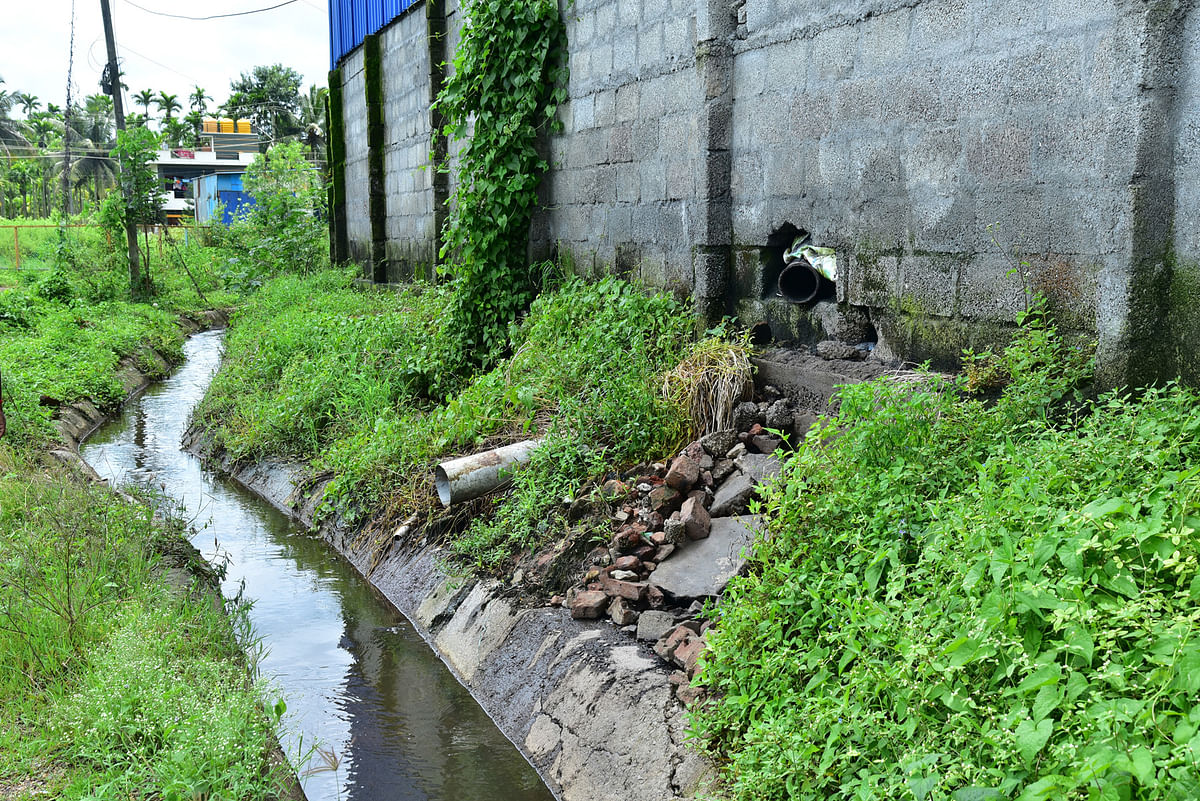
592	711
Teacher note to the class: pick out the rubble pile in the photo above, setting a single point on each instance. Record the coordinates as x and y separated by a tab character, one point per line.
680	532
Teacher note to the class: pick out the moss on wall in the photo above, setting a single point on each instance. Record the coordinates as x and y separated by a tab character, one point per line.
1184	316
336	142
376	140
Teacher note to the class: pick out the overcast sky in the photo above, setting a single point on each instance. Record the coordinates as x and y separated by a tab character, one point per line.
158	53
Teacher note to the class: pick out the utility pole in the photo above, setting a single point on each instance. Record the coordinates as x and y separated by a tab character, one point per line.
137	286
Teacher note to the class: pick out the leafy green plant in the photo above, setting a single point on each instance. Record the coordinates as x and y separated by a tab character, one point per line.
961	598
284	231
135	150
509	77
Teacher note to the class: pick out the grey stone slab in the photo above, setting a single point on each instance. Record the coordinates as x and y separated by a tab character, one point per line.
703	568
732	495
759	466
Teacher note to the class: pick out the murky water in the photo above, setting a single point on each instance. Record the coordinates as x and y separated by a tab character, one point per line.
356	678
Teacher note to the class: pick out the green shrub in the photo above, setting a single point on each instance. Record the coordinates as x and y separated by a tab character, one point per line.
967	600
285	230
317	369
55	287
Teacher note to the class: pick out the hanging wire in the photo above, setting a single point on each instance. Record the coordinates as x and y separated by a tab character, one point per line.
214	16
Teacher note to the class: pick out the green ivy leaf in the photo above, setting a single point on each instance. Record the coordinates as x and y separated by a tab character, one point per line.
1031	737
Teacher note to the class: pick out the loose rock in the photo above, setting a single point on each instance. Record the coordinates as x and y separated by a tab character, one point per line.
630	590
733	495
664	499
745	414
653	624
684	473
722	469
780	415
589	605
675	531
696	520
718	443
621	613
759	467
628	563
765	443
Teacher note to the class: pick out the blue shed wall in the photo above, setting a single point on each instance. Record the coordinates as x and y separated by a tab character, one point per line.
351	20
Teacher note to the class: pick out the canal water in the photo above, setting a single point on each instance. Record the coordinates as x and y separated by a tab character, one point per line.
358	680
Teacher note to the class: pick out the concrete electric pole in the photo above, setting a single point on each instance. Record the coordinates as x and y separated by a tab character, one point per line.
137	286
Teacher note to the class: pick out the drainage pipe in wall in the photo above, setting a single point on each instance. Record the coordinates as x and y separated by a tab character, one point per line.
800	282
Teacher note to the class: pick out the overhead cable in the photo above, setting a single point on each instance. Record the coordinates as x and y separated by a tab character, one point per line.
214	16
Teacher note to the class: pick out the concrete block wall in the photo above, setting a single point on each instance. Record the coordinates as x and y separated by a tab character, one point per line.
623	170
935	144
408	176
354	101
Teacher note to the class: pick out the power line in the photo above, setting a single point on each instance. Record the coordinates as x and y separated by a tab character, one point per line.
129	49
214	16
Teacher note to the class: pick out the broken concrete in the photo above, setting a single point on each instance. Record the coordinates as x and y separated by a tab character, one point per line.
703	568
759	466
733	495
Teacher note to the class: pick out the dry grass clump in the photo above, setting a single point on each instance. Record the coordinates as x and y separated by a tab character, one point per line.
712	379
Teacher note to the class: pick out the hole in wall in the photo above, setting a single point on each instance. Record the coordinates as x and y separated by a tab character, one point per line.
761	334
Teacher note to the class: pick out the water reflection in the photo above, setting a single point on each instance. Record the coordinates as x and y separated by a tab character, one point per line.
355	675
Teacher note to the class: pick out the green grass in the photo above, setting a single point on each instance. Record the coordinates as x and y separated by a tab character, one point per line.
968	600
70	351
319	370
111	687
63	332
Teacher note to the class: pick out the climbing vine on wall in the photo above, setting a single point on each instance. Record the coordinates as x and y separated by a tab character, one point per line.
509	77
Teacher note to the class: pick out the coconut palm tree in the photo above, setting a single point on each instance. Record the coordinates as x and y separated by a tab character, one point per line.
312	106
12	132
92	138
198	100
29	103
167	104
144	98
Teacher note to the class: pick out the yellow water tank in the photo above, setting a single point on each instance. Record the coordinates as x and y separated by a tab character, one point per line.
243	126
210	126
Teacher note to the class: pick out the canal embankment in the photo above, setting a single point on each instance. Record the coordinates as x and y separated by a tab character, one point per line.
378	711
120	667
595	712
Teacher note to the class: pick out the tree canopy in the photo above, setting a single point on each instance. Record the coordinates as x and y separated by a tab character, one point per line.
270	98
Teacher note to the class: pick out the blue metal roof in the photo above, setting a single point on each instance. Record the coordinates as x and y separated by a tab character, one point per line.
351	20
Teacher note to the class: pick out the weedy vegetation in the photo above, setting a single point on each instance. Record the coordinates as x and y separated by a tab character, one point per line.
968	599
110	685
317	369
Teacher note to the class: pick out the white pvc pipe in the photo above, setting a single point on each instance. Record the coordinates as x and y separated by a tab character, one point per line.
478	474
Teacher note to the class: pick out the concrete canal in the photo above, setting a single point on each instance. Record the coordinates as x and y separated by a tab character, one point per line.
358	680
